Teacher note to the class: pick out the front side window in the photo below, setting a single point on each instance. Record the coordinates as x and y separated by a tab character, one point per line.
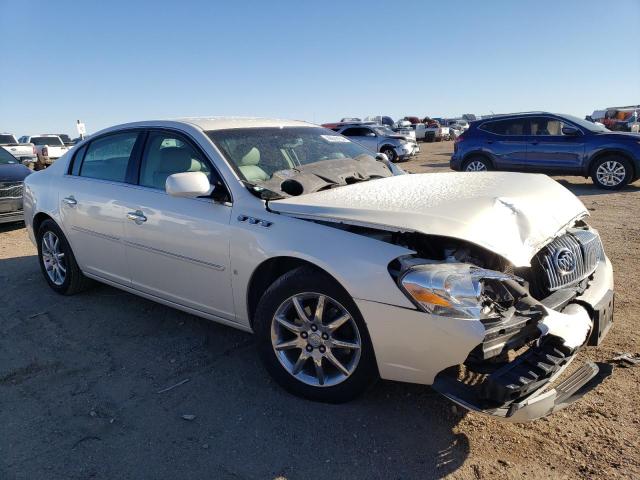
167	153
545	126
355	132
107	158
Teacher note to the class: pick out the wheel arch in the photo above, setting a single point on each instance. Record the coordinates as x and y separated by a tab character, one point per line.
271	269
38	219
612	151
477	153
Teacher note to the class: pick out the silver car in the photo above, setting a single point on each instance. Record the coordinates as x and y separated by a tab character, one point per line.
382	139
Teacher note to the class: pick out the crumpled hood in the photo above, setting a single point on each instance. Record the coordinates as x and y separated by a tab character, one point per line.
511	214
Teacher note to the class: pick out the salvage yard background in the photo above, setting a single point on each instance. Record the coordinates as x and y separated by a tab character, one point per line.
80	376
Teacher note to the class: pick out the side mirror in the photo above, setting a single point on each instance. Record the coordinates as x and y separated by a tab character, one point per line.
570	131
188	184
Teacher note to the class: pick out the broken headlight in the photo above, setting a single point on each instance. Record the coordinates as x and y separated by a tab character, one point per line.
453	290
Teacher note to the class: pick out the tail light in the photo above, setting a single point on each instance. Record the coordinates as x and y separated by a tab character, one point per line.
459	139
45	151
35	152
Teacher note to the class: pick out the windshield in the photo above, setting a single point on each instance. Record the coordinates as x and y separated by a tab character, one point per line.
6	157
54	141
4	139
258	153
384	131
586	124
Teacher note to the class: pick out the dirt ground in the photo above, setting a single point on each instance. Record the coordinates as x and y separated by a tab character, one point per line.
80	379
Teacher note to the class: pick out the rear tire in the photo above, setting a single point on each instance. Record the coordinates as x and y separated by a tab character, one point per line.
611	172
57	262
477	164
298	352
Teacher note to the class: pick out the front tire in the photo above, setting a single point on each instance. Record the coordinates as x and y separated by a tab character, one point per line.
611	172
390	153
312	338
477	164
57	262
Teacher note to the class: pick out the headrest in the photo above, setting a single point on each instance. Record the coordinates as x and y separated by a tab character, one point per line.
175	159
252	157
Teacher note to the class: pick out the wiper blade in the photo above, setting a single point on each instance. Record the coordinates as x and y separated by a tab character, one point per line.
260	191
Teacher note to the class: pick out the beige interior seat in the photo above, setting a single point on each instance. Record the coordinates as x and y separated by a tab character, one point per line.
249	166
172	160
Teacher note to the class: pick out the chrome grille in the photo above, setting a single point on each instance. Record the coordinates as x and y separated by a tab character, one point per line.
585	248
11	190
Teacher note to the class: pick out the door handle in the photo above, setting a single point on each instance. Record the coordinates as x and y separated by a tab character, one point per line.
534	143
72	202
137	217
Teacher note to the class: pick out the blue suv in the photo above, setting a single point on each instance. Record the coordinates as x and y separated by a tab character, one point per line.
549	143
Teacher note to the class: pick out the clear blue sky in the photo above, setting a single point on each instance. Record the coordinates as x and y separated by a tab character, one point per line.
113	61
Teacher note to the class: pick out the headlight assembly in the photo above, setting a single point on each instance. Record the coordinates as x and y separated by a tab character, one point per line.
450	289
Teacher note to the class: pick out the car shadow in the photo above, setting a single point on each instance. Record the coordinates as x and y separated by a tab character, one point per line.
587	189
97	384
435	165
9	227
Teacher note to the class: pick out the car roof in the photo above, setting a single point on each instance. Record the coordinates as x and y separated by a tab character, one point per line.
518	114
213	123
221	123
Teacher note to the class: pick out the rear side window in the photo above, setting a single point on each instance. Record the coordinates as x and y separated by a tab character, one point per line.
505	127
107	158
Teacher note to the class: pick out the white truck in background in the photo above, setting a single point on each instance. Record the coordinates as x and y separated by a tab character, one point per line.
48	149
26	154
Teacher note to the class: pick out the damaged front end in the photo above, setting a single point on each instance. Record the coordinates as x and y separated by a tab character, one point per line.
535	321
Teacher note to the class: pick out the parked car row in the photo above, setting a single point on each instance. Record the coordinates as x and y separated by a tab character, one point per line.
12	175
36	152
398	144
48	149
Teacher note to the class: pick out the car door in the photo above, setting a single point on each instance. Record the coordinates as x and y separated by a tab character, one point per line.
178	248
506	142
91	209
551	151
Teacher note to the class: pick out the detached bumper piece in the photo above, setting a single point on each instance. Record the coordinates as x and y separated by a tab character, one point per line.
528	372
520	389
535	406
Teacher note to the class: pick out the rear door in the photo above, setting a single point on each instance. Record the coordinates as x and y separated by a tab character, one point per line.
549	150
91	208
506	141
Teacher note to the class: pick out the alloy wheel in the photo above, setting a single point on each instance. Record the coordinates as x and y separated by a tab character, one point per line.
476	166
316	339
611	173
53	258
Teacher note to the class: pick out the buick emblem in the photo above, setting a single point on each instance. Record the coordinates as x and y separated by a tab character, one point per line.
565	261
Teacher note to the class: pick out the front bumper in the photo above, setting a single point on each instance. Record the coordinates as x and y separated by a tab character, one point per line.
10	217
412	346
407	150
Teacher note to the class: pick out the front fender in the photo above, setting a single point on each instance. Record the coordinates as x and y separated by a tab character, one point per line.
357	262
613	148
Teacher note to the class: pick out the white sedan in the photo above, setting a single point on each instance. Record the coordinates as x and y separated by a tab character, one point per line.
482	285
